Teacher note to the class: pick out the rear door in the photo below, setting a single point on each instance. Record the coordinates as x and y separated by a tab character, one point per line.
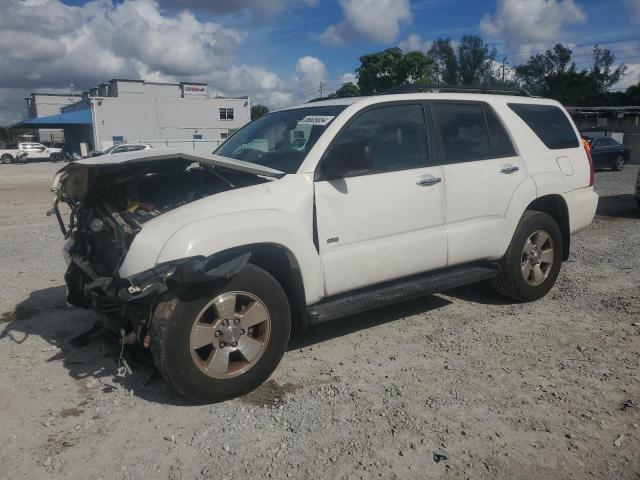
601	152
386	223
481	173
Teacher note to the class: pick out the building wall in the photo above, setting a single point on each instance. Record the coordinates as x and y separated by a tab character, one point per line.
127	88
42	105
175	122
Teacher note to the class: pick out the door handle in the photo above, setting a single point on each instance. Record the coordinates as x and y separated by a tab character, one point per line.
509	169
428	181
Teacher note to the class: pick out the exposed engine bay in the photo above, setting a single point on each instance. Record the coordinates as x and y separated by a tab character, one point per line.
109	206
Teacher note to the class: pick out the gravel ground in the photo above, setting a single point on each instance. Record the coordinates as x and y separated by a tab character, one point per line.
504	390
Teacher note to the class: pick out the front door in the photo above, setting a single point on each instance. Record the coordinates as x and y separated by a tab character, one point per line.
386	223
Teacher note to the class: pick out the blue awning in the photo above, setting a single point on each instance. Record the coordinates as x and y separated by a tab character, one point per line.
77	117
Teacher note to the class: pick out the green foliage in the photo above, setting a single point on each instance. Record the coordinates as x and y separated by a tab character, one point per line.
553	74
445	61
348	89
475	61
381	71
258	110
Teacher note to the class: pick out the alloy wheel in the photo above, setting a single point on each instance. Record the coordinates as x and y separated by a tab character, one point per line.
537	258
230	334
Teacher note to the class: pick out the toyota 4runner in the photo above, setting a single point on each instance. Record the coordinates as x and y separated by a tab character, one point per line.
316	212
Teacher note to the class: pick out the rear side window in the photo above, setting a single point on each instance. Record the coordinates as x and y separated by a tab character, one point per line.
501	146
549	123
462	131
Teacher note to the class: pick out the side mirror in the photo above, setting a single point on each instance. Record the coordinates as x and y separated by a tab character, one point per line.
42	149
346	160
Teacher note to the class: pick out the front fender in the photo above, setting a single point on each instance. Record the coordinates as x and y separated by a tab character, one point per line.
217	234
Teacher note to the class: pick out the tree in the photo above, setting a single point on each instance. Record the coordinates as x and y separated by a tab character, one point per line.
471	63
348	89
381	71
553	74
476	61
445	61
602	72
534	74
378	72
258	110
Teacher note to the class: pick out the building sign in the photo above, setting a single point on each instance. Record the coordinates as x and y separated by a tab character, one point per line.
189	90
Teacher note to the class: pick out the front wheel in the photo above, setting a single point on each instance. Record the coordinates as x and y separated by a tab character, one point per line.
227	344
6	159
530	266
618	166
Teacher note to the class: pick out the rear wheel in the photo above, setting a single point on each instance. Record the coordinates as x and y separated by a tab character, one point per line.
215	348
6	159
618	166
532	262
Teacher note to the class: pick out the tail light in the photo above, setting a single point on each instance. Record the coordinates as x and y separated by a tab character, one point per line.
587	148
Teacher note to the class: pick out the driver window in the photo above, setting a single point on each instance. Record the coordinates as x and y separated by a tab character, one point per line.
396	136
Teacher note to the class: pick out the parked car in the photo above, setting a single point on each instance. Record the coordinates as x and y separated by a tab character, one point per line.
121	148
606	152
39	152
210	259
10	153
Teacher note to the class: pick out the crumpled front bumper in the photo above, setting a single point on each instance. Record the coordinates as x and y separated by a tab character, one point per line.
87	289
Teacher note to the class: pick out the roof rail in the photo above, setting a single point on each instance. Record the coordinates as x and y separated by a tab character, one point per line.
486	89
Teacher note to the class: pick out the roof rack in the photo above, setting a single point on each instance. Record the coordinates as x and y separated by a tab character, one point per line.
486	89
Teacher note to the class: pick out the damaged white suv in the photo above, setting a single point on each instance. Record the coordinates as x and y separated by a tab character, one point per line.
316	212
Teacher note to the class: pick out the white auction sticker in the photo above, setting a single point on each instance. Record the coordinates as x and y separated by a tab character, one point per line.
316	120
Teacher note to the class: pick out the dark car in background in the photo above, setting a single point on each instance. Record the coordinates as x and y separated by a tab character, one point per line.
608	153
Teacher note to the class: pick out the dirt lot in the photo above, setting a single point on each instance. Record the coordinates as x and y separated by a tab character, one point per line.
505	390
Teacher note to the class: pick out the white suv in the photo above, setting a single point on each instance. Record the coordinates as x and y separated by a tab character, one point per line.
316	212
38	151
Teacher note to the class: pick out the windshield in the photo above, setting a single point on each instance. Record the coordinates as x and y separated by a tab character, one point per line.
280	140
108	150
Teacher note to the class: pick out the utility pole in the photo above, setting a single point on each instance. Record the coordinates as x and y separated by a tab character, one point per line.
504	59
322	87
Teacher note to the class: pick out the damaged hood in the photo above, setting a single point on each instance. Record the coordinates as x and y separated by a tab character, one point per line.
157	154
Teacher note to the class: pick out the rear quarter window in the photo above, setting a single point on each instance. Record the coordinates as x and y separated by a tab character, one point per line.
549	123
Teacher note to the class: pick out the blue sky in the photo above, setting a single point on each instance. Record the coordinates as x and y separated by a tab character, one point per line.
278	51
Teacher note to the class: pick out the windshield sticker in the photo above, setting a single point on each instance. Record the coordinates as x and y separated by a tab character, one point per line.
316	120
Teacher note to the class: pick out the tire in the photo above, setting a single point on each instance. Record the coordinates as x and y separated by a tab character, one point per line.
6	159
618	166
183	366
511	281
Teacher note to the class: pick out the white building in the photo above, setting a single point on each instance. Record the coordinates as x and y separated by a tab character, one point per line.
161	114
46	104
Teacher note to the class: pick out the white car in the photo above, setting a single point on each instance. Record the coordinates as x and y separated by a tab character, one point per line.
40	152
10	153
122	148
210	260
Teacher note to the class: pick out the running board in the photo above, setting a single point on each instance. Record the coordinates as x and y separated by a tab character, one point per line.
397	291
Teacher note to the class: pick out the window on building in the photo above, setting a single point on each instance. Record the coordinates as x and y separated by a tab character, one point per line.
396	135
226	113
462	131
549	123
224	135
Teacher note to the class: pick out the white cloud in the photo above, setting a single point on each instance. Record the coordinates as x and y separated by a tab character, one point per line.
256	7
534	23
414	42
348	78
375	20
631	76
46	44
634	7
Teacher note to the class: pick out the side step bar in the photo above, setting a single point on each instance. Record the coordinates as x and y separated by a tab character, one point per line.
397	291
